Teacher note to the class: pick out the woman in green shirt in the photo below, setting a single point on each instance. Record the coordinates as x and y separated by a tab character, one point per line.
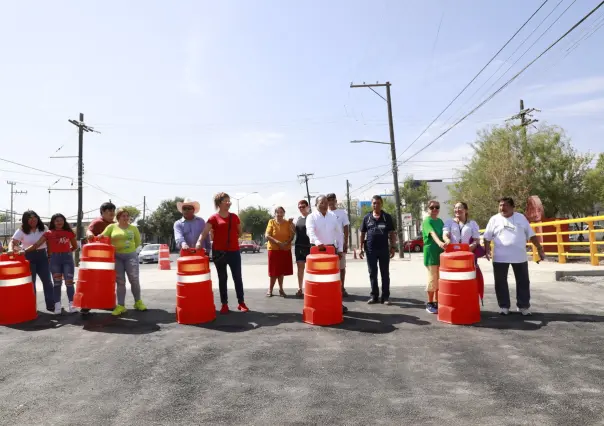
432	231
125	238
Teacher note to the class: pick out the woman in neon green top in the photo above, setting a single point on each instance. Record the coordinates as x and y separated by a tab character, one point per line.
125	238
432	231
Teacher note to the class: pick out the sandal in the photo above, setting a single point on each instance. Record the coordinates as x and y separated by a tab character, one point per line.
269	294
282	293
299	293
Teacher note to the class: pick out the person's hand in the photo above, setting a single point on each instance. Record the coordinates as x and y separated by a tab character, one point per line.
90	237
341	255
392	252
283	246
197	246
487	255
321	247
345	248
361	254
184	246
442	245
541	253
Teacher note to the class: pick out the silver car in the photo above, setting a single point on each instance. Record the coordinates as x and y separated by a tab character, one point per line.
149	254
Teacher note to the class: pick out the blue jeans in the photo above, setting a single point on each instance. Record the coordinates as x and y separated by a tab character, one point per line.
381	258
233	260
62	267
127	264
38	265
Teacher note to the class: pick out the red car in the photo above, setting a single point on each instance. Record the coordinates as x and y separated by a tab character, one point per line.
249	246
416	245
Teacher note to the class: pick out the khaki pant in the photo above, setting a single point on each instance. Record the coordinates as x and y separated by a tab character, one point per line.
432	278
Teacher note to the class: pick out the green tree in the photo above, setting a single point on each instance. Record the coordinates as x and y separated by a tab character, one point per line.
415	194
133	212
254	220
595	180
3	217
161	222
389	207
508	163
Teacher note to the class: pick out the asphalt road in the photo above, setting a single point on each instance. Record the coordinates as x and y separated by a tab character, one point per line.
246	258
388	365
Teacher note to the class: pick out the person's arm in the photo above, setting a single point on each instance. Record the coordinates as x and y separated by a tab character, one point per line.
204	234
533	238
434	235
269	233
15	241
137	237
74	243
392	235
475	236
489	233
207	243
179	237
447	231
90	230
107	231
339	236
310	231
362	237
37	244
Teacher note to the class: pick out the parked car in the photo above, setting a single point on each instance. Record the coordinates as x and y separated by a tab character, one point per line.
416	245
249	246
149	254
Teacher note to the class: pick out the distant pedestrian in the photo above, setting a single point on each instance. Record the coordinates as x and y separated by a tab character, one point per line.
188	228
27	235
226	229
342	216
324	229
61	242
126	238
378	229
302	245
280	234
432	231
510	231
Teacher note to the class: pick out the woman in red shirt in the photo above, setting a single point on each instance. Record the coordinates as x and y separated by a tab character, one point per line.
226	229
61	242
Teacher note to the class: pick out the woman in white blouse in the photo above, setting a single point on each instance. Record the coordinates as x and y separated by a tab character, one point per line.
26	236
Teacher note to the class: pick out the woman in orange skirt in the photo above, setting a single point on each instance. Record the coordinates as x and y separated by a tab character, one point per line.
279	234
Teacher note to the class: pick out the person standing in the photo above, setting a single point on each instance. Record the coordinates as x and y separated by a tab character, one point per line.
510	231
280	234
432	231
125	238
302	245
342	216
379	228
31	230
324	229
61	244
188	229
226	229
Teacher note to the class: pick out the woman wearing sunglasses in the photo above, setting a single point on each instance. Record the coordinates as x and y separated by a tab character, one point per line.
432	231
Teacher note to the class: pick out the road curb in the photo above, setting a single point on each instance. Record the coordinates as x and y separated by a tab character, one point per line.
562	274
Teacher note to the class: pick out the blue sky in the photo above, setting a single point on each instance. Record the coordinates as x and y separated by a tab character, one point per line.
243	96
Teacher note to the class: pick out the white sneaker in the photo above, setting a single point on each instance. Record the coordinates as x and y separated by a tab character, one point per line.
525	312
71	308
504	311
58	308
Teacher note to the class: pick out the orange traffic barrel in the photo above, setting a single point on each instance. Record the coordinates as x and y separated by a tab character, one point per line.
164	258
95	288
16	290
194	296
458	301
322	288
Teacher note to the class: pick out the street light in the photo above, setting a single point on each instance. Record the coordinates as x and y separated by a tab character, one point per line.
397	195
241	198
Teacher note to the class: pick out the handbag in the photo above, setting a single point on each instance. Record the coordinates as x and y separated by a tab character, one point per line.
219	256
479	250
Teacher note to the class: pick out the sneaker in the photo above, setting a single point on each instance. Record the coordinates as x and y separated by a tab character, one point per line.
72	309
372	301
525	312
119	310
140	306
504	311
431	308
58	308
387	302
225	309
242	307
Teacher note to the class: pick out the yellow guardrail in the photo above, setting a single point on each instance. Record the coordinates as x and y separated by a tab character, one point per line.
594	240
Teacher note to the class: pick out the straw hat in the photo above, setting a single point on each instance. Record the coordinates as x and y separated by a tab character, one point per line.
188	202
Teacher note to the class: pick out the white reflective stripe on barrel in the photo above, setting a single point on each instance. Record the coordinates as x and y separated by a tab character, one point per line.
329	278
105	266
198	278
457	276
11	282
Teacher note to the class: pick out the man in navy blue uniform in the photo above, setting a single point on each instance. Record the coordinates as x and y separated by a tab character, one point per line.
378	228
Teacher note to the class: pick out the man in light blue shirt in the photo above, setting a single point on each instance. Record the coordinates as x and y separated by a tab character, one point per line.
188	229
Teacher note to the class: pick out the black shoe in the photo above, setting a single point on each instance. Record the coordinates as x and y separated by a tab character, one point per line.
372	301
85	312
344	309
344	293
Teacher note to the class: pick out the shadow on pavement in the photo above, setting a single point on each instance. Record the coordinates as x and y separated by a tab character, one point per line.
515	321
45	321
376	323
401	302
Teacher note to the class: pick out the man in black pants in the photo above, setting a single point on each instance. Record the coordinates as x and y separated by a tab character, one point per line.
510	231
379	228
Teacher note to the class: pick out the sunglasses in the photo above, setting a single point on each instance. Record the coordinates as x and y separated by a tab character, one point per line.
434	207
188	208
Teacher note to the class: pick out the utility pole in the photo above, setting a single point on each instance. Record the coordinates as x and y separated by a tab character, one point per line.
305	177
397	195
12	196
82	127
524	121
348	207
144	213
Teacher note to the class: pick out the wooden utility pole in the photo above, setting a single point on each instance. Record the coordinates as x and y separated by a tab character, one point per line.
12	197
397	195
305	177
348	208
144	215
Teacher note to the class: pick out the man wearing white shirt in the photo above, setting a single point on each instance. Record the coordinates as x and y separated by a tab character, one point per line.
510	231
324	229
342	215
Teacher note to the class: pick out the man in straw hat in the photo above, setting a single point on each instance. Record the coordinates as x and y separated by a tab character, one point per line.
188	229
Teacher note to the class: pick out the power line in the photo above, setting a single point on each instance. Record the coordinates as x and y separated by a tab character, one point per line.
473	79
509	81
34	168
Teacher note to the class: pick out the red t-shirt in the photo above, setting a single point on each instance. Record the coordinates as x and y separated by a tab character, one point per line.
97	226
220	226
59	240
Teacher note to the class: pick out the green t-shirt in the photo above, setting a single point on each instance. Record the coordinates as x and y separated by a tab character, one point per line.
431	250
124	240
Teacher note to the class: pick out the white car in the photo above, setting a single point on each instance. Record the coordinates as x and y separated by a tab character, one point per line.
149	254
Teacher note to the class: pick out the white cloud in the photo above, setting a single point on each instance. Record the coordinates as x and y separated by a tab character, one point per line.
581	86
590	107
